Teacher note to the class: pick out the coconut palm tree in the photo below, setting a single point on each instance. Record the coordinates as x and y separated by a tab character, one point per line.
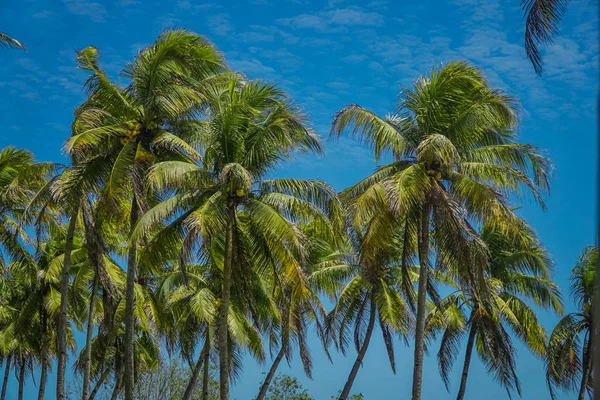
7	41
519	270
456	159
249	128
569	362
542	18
119	133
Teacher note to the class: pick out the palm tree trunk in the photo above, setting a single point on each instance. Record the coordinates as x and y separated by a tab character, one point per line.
587	366
21	377
192	383
98	384
6	374
129	375
265	386
44	355
64	297
206	376
469	352
224	309
361	353
43	379
421	301
87	352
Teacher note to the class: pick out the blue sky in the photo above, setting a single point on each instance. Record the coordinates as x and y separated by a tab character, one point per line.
328	54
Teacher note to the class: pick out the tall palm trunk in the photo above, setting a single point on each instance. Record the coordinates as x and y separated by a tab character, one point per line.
265	386
44	355
192	383
224	308
43	379
421	301
64	298
361	353
468	353
206	377
6	374
129	375
87	351
21	377
587	366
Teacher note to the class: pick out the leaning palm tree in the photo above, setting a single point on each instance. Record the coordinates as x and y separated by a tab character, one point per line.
519	270
7	41
569	362
364	277
249	128
542	20
456	159
119	133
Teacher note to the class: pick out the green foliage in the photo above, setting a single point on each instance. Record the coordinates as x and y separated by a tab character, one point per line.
286	387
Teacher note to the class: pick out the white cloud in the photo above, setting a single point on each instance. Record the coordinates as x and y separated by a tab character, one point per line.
334	20
87	8
43	14
220	24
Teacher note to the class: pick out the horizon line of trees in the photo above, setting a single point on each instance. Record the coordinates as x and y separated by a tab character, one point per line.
170	177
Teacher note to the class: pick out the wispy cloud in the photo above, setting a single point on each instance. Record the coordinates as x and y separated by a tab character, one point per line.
91	9
334	20
43	14
220	24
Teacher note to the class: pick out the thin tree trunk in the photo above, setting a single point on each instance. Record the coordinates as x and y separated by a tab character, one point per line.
6	374
87	351
98	384
361	353
224	309
115	392
587	365
44	355
189	390
469	352
64	297
43	379
206	376
129	375
421	301
265	386
21	378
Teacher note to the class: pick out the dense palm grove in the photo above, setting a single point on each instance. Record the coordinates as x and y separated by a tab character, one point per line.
168	236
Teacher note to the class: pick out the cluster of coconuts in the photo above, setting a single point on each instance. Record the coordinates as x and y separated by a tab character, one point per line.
133	129
436	174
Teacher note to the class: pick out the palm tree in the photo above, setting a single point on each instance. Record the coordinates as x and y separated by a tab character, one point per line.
456	159
364	277
7	41
542	20
250	127
120	132
519	269
569	363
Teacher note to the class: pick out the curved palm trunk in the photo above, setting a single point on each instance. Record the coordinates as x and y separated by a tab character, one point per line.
587	366
194	378
421	302
64	297
43	379
361	354
265	386
224	309
465	372
206	376
87	351
21	378
98	384
44	356
6	374
129	375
